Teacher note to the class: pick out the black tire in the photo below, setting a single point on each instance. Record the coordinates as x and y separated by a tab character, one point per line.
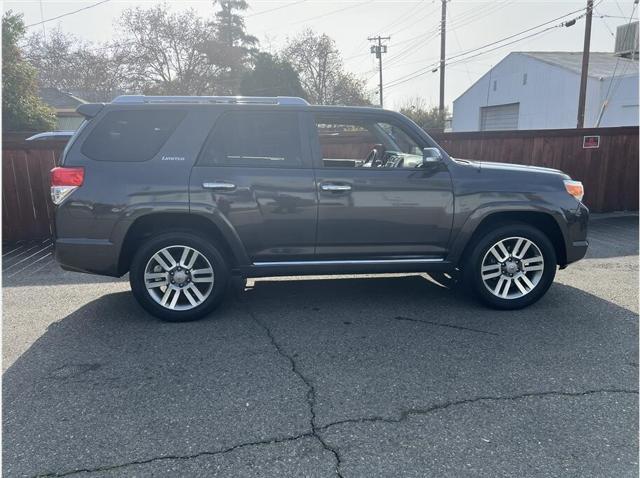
481	247
148	249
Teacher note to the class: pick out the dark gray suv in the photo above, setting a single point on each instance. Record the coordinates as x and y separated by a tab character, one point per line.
186	192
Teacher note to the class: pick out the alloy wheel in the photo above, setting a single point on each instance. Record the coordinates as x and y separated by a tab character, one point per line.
512	268
179	277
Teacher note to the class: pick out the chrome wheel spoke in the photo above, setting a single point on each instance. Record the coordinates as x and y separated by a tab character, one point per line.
189	297
533	264
526	280
521	247
202	275
159	283
518	282
166	295
189	257
491	271
174	301
500	252
195	290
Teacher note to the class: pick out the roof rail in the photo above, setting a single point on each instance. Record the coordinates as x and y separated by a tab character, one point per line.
248	100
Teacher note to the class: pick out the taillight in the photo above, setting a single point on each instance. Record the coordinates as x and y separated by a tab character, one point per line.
64	181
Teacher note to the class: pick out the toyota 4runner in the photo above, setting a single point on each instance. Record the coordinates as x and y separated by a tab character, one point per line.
184	193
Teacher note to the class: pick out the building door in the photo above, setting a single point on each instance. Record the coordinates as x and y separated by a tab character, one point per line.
499	117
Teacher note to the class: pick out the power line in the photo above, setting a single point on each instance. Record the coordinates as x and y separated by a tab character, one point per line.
331	13
434	66
275	8
67	14
426	69
615	68
402	18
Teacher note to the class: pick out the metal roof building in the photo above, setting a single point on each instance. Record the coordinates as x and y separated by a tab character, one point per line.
538	90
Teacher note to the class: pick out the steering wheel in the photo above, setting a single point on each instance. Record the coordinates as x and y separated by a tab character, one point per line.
371	158
374	158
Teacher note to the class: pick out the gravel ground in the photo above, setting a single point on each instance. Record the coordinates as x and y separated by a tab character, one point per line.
352	376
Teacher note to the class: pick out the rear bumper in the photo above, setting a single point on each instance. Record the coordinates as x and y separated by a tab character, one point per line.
93	256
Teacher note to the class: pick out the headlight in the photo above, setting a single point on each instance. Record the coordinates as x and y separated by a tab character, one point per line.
575	188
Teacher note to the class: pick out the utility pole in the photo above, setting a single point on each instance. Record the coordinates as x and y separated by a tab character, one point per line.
585	65
379	49
443	39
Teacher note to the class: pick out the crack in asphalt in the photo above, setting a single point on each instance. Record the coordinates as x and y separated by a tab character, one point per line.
440	324
311	391
404	414
230	449
315	430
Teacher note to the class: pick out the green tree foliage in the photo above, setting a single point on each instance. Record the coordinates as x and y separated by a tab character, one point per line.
424	116
22	109
230	27
271	76
232	47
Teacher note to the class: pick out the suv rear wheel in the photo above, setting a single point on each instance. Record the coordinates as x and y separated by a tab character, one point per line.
511	267
178	276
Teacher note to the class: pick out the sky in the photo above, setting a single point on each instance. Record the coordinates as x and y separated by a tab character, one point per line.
413	26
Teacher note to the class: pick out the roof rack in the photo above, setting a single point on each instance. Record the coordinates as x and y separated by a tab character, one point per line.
247	100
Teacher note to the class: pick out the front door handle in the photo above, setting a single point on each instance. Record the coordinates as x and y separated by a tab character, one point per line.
219	186
335	187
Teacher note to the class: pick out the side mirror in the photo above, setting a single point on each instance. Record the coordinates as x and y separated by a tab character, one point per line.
431	155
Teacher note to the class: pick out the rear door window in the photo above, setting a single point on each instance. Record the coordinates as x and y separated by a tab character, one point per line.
131	135
268	139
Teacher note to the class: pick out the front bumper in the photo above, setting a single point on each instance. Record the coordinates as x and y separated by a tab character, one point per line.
576	241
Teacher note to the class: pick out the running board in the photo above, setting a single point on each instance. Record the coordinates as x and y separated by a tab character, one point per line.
335	267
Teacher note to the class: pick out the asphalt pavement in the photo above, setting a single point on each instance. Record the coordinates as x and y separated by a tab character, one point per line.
352	376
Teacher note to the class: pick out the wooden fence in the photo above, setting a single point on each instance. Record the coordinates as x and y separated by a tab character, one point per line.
27	210
610	172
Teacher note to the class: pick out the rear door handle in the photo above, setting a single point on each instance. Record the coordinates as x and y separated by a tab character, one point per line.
335	187
219	186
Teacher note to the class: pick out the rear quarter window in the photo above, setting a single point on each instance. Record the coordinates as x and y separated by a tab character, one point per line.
131	135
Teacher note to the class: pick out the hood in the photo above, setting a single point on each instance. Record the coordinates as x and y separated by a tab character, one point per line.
491	166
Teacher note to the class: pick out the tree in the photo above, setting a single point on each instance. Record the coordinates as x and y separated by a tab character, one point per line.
22	109
232	47
230	27
424	116
66	63
271	76
319	64
165	51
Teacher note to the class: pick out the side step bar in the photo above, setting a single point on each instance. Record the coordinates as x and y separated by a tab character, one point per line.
335	267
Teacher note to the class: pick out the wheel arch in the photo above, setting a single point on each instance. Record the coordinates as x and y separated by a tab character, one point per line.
545	221
149	225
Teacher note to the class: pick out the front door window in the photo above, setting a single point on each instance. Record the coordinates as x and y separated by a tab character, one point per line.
366	143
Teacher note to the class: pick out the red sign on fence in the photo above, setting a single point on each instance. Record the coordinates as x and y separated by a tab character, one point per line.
590	142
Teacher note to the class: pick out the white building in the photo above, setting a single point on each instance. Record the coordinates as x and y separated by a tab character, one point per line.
538	90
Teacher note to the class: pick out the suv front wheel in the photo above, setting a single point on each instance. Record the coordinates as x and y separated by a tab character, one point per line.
511	267
178	276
